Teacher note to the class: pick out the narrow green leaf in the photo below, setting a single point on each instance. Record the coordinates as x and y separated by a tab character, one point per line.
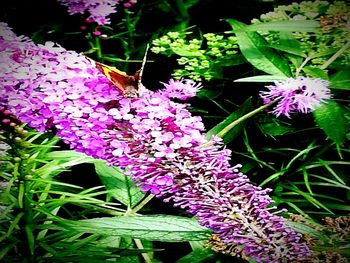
5	249
271	126
294	50
330	117
190	3
198	256
254	47
288	40
118	184
315	72
261	78
306	180
331	171
61	161
295	207
234	132
327	52
309	198
286	26
340	80
307	230
272	177
30	238
69	155
164	228
332	183
14	225
345	208
232	60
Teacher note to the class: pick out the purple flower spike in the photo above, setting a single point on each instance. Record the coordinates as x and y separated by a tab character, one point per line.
302	94
156	140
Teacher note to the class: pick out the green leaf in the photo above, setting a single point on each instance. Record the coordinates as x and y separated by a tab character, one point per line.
315	72
206	93
234	132
292	47
254	47
232	60
261	78
288	49
286	26
307	230
190	3
340	80
324	53
289	42
273	127
197	256
118	184
163	228
331	119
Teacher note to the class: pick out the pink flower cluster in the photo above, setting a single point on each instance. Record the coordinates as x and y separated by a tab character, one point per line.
99	10
157	141
302	94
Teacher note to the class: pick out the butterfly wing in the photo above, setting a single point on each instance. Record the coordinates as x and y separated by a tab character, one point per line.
129	85
119	78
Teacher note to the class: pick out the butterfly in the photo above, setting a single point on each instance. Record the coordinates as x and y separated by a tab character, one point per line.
128	84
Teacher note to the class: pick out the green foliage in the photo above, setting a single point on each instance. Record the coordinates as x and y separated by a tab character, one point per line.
340	80
43	218
157	227
200	58
330	117
119	186
255	50
305	179
305	160
329	240
330	34
225	127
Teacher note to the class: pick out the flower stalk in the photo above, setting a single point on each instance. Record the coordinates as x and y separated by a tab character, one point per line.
336	55
156	140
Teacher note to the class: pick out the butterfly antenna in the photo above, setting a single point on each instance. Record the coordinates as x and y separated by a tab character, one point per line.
143	62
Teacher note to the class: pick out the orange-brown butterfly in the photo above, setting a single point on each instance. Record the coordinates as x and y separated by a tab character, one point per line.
129	84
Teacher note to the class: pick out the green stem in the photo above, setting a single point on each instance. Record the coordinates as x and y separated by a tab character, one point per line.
142	204
297	71
131	37
98	48
336	55
183	15
145	256
28	220
181	7
229	127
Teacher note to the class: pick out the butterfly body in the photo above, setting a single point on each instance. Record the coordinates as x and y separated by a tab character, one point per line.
130	85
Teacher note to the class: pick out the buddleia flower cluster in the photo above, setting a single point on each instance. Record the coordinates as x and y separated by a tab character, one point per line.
155	139
98	10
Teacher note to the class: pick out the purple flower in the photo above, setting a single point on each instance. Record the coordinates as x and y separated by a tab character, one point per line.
182	89
157	141
99	10
302	94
